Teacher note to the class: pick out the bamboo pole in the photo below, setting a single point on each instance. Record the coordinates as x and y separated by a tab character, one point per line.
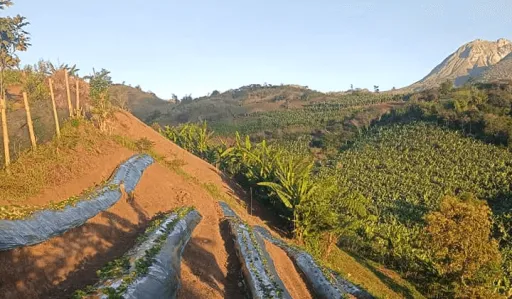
77	97
29	122
55	115
7	156
68	92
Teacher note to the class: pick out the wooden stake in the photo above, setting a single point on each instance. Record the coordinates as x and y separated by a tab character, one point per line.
7	155
77	96
29	122
70	106
55	115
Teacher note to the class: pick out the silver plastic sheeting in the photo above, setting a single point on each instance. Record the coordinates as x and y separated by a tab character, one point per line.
337	287
163	277
257	265
46	224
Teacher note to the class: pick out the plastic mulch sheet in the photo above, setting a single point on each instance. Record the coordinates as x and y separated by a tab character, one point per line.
322	286
257	265
162	279
46	224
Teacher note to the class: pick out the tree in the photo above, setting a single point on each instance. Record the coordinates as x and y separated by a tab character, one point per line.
215	93
351	86
293	186
187	98
446	87
459	243
99	85
13	38
55	68
376	88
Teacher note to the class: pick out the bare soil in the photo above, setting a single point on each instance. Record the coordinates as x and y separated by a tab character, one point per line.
210	269
286	270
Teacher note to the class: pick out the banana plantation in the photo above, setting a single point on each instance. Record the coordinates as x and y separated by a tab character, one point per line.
318	114
381	198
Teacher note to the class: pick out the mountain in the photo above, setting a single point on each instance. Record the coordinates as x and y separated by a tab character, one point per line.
501	71
470	60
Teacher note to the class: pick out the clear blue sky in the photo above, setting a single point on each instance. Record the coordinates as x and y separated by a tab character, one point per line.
198	46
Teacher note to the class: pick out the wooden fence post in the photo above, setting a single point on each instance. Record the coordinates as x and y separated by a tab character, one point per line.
55	115
70	106
29	122
7	155
77	96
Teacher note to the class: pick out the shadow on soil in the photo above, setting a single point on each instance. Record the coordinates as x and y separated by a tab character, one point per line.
203	265
37	271
258	209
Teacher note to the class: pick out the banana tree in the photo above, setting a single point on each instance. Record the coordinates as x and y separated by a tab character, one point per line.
293	186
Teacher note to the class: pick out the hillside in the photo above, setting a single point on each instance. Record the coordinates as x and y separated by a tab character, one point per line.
144	105
57	267
282	112
241	101
500	71
468	61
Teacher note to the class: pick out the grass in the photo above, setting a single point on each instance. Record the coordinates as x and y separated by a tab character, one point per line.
50	165
374	278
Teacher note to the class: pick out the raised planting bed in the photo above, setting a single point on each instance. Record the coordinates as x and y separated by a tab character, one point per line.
325	283
151	269
47	222
257	266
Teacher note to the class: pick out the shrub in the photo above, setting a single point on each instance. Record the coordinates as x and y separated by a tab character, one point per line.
458	239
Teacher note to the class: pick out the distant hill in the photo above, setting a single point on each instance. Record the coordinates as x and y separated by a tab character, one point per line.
469	61
144	105
500	71
241	101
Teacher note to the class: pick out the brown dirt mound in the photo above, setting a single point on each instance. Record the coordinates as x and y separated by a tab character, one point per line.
286	270
54	269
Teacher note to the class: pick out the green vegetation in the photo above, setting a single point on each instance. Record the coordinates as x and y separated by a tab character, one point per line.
375	201
51	164
14	39
465	269
405	170
483	111
99	84
319	115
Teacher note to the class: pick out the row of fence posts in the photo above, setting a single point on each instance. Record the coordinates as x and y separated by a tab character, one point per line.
3	114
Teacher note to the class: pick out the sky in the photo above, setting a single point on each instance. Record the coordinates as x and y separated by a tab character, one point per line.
195	47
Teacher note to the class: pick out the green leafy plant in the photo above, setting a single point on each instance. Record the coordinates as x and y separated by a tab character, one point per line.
14	38
99	84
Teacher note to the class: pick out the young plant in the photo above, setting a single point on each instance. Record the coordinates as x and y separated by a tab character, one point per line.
99	84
